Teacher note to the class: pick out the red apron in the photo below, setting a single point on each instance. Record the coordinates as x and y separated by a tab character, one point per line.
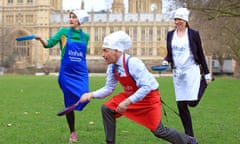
146	112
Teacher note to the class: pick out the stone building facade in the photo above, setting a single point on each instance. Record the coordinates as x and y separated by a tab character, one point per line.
144	22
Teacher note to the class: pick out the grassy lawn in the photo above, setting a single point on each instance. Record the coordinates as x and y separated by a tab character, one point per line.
30	103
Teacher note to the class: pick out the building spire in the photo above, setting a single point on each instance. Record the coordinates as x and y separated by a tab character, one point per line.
82	5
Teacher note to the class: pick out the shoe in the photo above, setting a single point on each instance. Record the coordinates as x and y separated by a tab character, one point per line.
73	137
192	140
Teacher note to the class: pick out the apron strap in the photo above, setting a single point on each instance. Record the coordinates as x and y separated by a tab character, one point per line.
69	34
81	35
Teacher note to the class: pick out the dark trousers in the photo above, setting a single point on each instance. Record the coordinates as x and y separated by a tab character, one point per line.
185	116
168	134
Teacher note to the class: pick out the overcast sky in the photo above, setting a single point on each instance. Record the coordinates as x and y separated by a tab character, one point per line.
91	4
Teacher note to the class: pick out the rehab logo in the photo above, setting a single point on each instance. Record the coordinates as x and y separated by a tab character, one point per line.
75	55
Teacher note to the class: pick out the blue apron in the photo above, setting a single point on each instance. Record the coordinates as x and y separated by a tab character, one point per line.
73	75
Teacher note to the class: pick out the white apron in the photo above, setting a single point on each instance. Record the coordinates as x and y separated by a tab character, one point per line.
186	74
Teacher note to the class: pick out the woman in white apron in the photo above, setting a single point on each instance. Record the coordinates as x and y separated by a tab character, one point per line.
185	53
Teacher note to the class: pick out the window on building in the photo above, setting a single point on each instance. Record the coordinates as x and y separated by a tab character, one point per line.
88	30
158	51
19	1
127	31
135	34
150	34
103	33
150	52
22	50
166	31
10	19
51	52
54	52
143	52
10	1
96	34
111	30
143	35
134	51
137	7
159	33
29	1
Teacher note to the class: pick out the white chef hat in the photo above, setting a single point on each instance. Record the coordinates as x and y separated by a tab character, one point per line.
82	16
182	13
118	40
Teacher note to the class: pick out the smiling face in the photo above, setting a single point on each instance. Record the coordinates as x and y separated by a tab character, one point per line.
180	24
111	55
73	20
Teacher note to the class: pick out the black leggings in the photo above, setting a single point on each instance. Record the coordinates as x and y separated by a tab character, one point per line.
71	121
186	116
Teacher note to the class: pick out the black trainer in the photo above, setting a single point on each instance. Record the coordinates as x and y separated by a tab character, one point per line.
192	140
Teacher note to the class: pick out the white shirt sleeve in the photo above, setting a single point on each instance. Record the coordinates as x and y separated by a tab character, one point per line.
143	78
110	84
207	76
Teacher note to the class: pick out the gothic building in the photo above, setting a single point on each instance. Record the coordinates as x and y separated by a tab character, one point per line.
143	21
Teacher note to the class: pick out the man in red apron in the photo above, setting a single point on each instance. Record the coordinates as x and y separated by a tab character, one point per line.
140	100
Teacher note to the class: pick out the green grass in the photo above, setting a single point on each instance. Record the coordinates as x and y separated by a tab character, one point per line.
30	104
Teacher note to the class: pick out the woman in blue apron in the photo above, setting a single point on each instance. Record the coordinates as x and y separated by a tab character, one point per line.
73	73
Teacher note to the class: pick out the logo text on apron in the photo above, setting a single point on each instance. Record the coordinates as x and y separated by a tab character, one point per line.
75	55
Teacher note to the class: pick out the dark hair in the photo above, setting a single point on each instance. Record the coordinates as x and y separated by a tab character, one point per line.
187	24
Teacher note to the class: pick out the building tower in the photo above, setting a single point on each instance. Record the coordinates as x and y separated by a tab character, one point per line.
144	6
118	6
82	5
